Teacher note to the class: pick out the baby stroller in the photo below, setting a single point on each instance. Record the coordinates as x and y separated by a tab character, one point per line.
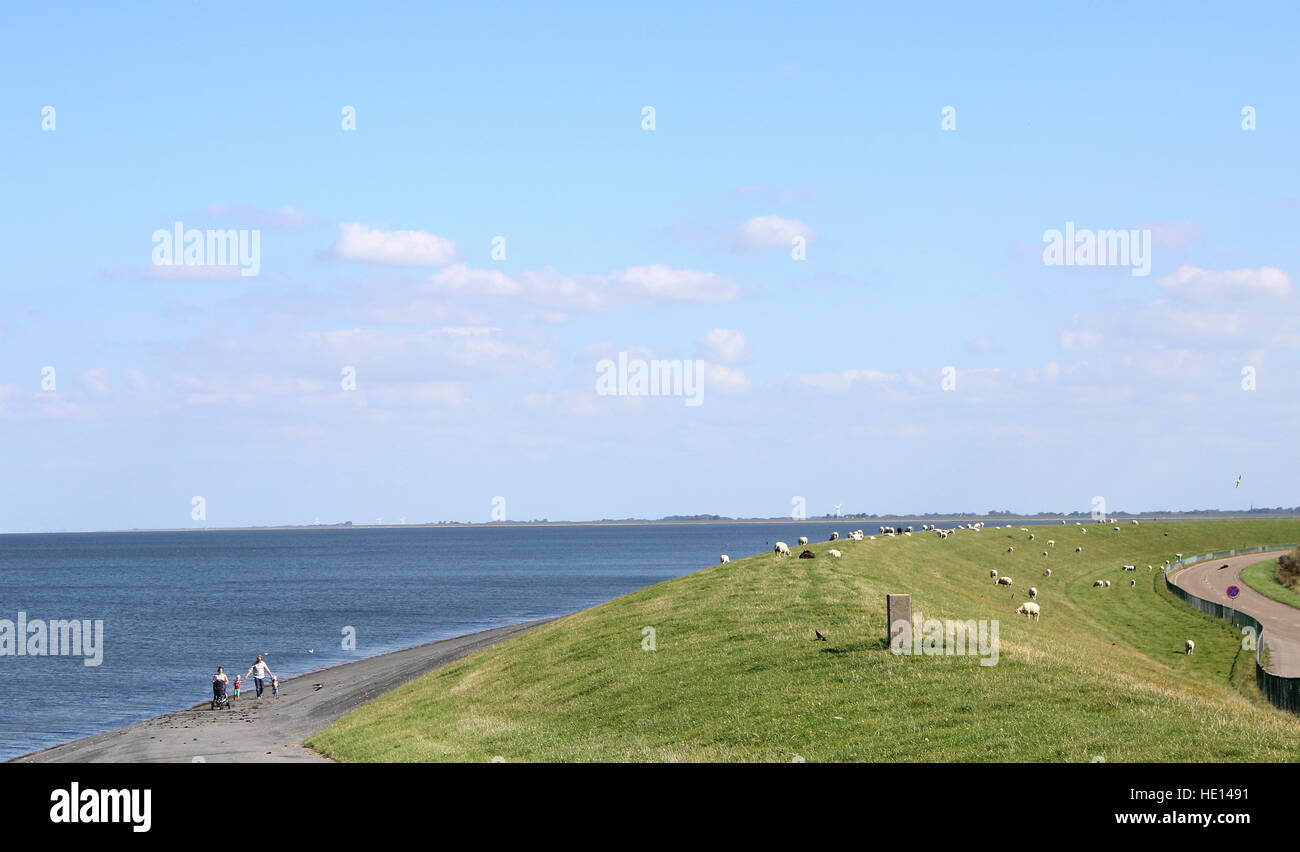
219	696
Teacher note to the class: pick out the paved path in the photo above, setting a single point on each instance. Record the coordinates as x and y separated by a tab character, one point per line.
1281	622
269	730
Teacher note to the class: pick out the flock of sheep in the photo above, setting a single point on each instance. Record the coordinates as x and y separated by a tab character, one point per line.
1030	608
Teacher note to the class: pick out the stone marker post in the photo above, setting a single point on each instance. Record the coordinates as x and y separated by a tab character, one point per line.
897	608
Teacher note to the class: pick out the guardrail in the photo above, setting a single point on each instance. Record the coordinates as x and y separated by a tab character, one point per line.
1283	692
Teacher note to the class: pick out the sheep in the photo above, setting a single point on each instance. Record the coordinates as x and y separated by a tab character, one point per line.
1135	523
1129	567
1189	646
1005	581
834	536
1051	542
1033	593
1151	567
781	549
834	553
1031	536
724	559
1011	550
1132	582
1078	550
1096	583
1178	556
1044	552
1116	529
803	539
1108	584
1047	573
1029	609
993	574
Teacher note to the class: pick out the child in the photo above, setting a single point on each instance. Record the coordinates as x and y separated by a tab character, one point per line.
236	686
275	686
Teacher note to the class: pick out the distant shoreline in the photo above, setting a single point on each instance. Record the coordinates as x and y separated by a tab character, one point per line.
847	521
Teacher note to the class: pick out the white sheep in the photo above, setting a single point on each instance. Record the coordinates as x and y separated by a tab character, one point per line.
1129	567
1033	593
1011	550
1189	646
1132	582
834	553
781	549
1108	584
1178	556
1031	536
803	539
1096	583
1047	573
993	574
1044	552
834	536
1051	542
724	559
1005	581
1078	550
1030	609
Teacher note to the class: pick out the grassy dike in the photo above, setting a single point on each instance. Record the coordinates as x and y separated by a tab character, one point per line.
1262	577
737	676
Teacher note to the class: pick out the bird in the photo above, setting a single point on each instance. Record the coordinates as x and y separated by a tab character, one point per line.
1238	485
311	650
318	686
820	637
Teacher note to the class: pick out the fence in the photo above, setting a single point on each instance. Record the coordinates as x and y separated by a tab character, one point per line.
1284	692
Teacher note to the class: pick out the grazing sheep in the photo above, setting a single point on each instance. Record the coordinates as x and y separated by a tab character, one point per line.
1096	583
1031	536
724	559
1044	552
1178	556
1116	529
1135	523
834	553
1030	609
1005	581
1078	550
781	549
993	574
1051	542
1151	567
1132	582
1108	584
1189	646
1085	532
1033	593
803	539
1011	550
1047	573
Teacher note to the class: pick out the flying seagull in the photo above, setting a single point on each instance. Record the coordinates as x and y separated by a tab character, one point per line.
820	637
1238	485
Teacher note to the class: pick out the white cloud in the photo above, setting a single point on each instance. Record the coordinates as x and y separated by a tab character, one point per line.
461	278
1082	338
765	232
94	380
395	248
724	346
1204	284
725	379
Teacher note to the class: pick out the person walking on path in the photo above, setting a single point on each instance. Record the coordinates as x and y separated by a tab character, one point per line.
260	672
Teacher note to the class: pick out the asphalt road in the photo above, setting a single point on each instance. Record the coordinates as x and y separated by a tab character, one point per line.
1281	622
269	730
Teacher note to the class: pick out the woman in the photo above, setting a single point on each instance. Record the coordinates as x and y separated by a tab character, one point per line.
259	671
218	686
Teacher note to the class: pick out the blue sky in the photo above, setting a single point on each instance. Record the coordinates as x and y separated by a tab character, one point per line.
475	375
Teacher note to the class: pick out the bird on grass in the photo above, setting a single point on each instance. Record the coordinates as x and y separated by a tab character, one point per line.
820	637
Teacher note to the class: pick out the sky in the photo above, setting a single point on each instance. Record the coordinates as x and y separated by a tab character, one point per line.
836	214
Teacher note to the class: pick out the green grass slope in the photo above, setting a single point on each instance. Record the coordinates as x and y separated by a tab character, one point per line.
736	675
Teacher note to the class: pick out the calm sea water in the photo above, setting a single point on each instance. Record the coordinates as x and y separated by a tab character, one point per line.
175	605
